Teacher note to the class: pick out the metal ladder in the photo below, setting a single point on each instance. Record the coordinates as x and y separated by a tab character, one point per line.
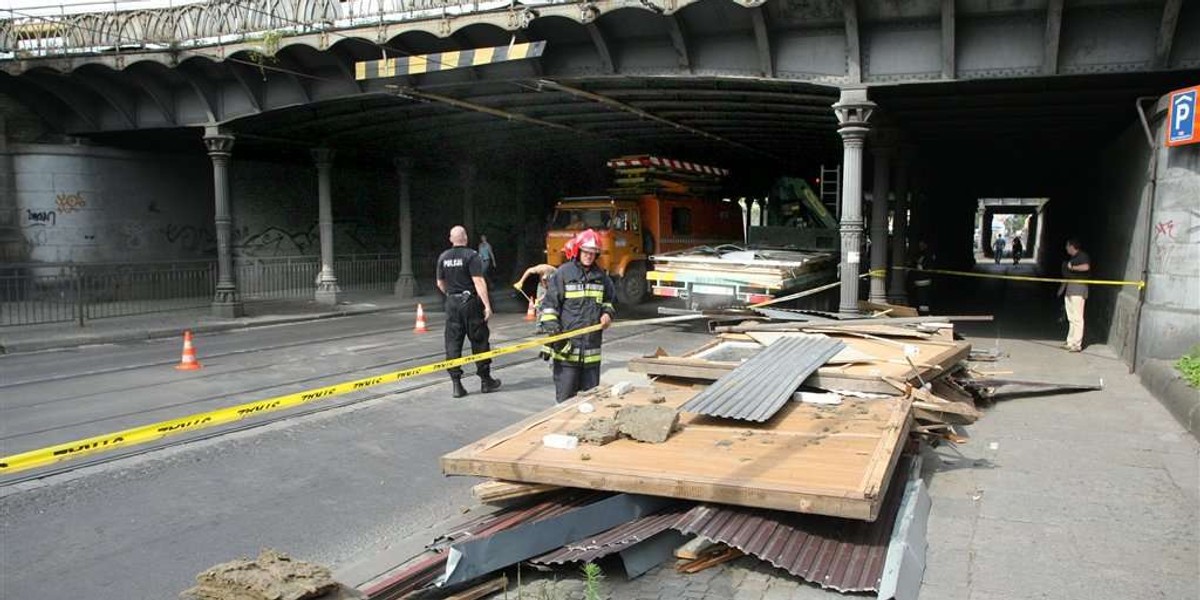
831	190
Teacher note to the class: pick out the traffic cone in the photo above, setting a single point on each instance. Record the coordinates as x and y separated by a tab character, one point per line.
188	362
420	328
531	313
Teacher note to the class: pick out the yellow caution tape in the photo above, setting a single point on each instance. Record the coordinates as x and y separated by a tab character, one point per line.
154	431
1139	284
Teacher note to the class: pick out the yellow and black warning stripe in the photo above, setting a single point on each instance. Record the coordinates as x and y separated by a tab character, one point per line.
444	61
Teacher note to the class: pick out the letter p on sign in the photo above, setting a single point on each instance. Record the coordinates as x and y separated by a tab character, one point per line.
1181	119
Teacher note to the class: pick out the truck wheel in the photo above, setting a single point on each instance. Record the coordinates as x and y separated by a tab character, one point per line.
631	288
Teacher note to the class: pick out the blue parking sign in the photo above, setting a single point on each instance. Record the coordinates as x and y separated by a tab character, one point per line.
1181	118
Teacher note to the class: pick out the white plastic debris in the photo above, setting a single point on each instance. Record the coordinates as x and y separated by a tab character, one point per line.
560	440
587	407
621	388
826	399
911	350
994	446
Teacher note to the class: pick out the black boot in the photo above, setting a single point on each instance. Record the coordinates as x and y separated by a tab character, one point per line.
488	384
457	386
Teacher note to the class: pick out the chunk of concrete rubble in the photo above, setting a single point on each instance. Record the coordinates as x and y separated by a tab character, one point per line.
597	431
648	423
271	576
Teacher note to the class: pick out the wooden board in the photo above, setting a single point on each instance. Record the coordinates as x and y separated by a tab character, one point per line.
893	310
934	358
830	460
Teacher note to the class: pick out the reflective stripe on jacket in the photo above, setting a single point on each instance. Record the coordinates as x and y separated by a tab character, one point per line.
576	297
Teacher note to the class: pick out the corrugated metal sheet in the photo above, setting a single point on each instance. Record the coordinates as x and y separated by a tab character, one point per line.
757	389
423	570
841	554
615	539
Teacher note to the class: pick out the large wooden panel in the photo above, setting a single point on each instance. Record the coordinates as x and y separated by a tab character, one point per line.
831	460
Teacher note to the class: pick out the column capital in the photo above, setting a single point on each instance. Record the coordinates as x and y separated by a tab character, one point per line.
218	143
853	109
323	156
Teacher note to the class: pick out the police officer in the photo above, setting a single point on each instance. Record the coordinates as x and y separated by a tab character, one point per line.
578	294
468	308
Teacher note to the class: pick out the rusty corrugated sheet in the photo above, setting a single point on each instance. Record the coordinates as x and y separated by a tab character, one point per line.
758	388
615	539
841	554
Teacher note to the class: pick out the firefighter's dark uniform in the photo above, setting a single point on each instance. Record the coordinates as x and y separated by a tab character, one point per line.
464	312
576	296
923	282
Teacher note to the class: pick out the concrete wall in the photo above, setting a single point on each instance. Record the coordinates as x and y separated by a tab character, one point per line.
1112	211
83	203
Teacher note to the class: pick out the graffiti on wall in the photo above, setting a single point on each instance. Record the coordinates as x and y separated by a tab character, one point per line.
349	237
1173	251
42	218
190	238
69	203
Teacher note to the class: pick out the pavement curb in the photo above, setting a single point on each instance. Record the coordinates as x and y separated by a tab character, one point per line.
137	334
1168	385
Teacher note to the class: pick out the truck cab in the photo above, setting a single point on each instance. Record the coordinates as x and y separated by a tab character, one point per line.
632	228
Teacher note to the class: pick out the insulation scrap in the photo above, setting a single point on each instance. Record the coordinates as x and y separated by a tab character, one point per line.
597	431
271	576
648	423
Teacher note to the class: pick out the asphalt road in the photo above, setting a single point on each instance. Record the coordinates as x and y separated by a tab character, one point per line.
331	487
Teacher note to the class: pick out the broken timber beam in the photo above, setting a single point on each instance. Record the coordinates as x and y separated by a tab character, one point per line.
490	492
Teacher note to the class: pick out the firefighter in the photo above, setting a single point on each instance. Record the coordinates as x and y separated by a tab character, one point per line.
468	308
579	294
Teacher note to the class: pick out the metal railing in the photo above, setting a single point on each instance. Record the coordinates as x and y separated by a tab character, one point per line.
53	30
63	292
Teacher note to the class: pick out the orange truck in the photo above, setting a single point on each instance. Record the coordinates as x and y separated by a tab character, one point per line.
657	205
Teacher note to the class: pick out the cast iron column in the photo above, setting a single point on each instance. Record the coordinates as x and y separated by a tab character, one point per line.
853	110
896	292
225	301
879	216
406	285
327	284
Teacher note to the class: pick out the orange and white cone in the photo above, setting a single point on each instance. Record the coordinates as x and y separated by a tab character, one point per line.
188	362
531	313
420	327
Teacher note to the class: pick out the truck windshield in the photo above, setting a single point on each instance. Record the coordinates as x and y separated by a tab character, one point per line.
581	218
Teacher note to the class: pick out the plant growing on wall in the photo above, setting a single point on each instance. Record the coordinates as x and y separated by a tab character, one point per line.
264	54
1189	366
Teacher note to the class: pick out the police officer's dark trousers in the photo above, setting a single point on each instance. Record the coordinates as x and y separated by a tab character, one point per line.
570	378
464	318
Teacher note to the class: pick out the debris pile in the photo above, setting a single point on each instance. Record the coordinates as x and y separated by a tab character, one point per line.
791	440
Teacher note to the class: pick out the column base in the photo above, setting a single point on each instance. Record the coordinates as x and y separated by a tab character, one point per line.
406	286
898	300
327	293
228	310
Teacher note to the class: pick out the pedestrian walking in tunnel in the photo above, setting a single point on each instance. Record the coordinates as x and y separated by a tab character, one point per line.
468	309
1077	267
579	294
1018	249
488	256
998	249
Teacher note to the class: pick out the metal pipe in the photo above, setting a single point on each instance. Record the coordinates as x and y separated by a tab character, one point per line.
1137	310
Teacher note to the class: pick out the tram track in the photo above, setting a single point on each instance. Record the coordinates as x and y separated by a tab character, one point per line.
268	419
212	356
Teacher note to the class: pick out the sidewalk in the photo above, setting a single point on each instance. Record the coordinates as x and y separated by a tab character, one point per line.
48	336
